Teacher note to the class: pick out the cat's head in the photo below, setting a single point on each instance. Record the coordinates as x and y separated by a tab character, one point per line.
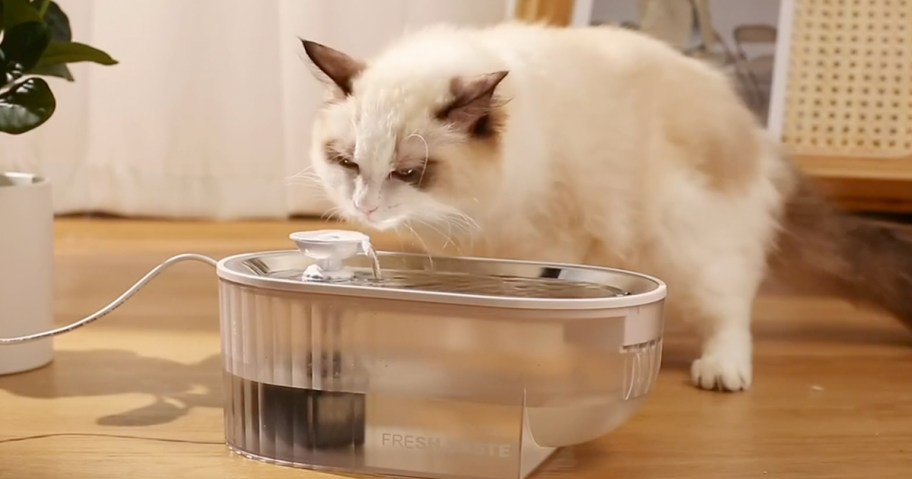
400	140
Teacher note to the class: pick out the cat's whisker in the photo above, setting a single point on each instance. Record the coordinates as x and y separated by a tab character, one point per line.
307	170
427	154
304	176
303	179
469	224
449	226
448	238
424	245
468	235
460	218
465	228
449	223
332	214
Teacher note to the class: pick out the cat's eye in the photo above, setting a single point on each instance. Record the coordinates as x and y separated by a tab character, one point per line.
347	164
408	175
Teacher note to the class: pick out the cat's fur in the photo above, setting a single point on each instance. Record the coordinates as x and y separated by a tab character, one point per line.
598	146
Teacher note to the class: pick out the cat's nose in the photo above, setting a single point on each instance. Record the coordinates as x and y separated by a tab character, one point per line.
367	209
366	201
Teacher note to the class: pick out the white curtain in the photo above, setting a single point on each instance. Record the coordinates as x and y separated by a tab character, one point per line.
209	111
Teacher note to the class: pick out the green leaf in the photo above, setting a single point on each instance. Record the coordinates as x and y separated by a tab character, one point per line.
57	21
24	43
72	52
55	70
43	7
26	106
18	11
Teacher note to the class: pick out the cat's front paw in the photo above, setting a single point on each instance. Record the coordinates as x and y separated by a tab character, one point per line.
722	372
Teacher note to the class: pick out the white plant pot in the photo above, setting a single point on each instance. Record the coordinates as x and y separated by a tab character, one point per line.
26	269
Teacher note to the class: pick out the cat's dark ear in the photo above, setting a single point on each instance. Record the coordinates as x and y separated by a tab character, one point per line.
472	103
333	66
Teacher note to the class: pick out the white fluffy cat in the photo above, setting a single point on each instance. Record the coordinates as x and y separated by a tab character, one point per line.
598	146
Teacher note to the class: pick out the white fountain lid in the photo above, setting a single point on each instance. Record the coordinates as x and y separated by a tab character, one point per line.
336	262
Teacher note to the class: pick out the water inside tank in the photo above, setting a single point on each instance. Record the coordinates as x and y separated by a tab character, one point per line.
473	284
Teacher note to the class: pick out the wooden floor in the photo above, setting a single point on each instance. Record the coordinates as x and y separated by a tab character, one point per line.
137	395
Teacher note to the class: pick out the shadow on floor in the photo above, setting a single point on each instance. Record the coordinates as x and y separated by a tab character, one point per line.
174	388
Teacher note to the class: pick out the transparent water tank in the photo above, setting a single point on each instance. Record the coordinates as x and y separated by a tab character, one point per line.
441	368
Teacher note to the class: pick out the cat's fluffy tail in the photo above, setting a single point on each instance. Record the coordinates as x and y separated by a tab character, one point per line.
861	259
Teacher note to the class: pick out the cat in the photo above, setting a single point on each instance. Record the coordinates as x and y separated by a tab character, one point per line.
595	145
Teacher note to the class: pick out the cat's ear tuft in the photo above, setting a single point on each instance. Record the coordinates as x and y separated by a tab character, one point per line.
472	102
333	66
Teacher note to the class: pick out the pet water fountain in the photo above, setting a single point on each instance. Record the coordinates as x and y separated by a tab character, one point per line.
337	358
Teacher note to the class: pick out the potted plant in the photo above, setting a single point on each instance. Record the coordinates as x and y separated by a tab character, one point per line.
36	42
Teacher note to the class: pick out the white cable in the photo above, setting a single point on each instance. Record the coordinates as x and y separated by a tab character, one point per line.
114	304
